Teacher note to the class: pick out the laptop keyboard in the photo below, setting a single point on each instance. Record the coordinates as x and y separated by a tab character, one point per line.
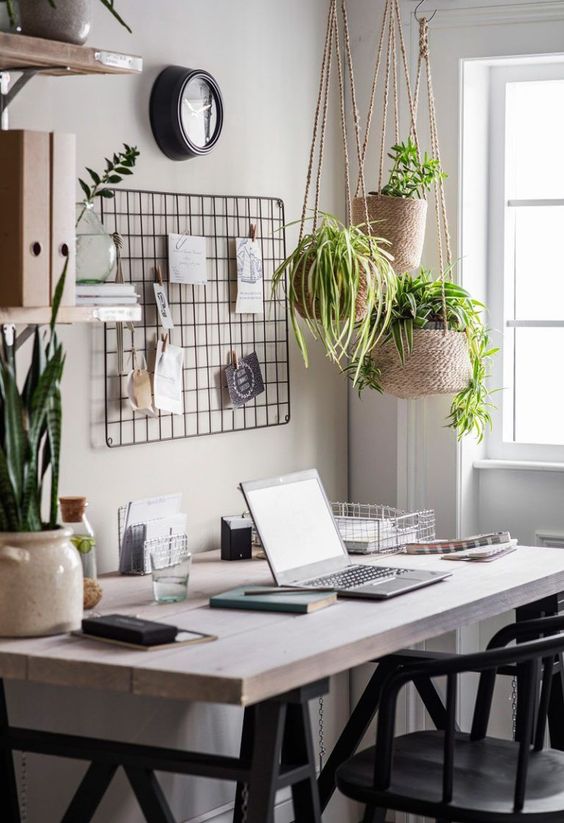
354	576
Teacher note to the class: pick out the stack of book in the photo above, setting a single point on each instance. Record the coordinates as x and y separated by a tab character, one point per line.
106	294
481	547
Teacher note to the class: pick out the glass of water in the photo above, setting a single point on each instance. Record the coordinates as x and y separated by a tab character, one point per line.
170	582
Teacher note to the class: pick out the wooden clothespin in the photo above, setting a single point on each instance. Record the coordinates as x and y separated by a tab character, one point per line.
164	340
253	231
159	275
234	360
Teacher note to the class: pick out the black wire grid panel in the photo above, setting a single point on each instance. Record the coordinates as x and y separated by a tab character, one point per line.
205	323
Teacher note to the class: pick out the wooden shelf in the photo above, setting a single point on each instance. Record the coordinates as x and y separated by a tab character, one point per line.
70	314
51	57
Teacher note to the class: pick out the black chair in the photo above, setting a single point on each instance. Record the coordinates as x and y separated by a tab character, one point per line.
469	778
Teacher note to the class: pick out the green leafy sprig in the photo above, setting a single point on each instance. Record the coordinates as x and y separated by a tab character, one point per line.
120	164
410	175
30	429
327	272
418	304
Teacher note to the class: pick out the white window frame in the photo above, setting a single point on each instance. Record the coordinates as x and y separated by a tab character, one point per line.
500	258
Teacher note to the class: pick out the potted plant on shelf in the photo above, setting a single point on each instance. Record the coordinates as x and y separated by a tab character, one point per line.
338	280
41	589
398	212
68	21
422	351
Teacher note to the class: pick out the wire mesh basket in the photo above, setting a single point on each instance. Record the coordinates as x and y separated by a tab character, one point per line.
371	529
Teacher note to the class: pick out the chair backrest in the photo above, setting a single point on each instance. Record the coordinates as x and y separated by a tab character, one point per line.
529	658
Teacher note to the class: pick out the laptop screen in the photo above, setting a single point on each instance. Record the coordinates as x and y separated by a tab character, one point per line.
294	521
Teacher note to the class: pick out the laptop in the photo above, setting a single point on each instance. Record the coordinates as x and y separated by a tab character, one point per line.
304	548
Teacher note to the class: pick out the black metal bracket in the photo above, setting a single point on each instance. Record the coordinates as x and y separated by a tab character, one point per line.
276	752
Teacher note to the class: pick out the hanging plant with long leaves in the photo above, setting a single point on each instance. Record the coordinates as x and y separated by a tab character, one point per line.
338	278
419	304
30	429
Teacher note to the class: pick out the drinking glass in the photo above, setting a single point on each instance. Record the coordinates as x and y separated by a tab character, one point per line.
170	582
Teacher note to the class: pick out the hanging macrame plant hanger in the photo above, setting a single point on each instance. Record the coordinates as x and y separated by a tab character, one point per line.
401	220
439	362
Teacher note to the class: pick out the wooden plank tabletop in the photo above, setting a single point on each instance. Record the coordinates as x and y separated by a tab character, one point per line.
261	654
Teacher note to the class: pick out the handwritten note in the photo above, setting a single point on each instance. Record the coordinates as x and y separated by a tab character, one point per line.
187	262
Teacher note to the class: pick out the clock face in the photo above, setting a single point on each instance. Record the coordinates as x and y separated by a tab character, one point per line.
186	112
199	112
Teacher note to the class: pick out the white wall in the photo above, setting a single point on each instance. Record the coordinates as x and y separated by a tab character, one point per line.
266	57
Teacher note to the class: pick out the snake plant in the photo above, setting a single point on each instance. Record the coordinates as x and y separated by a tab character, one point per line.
418	304
331	273
30	429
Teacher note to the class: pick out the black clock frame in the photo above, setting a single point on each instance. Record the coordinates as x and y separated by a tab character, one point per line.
166	116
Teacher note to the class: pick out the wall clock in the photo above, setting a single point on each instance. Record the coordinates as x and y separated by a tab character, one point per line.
186	111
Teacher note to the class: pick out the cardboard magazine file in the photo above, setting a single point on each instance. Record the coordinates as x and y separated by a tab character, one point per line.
37	174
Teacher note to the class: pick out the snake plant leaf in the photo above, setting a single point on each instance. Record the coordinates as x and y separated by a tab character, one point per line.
7	497
54	429
15	439
36	367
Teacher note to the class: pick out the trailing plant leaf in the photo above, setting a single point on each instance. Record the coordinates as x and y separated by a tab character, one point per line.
411	175
417	303
120	164
330	273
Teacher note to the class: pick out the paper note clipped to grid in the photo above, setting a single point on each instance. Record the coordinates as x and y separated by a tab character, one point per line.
187	260
249	277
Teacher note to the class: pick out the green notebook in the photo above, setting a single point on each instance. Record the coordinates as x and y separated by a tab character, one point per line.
299	603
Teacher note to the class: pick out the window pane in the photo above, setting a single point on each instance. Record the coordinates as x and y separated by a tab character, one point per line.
534	128
539	262
539	386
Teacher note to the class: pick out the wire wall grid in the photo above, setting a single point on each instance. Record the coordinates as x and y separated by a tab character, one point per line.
371	529
205	323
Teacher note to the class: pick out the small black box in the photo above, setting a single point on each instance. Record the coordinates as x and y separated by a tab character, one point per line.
236	538
129	629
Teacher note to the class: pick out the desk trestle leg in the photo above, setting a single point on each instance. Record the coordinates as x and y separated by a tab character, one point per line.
277	744
8	785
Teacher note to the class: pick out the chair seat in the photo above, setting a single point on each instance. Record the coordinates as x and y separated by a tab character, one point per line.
484	780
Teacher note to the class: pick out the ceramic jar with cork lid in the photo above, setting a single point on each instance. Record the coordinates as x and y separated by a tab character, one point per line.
73	515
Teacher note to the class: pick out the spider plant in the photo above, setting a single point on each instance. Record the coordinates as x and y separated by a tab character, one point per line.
30	429
411	175
338	279
418	304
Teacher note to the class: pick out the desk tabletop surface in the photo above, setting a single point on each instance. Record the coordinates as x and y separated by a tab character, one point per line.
261	654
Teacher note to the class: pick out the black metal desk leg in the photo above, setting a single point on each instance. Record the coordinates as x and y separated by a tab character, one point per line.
245	755
90	792
8	785
269	718
297	750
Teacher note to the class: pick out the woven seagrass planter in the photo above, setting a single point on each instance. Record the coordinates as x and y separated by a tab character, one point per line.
305	304
400	221
438	364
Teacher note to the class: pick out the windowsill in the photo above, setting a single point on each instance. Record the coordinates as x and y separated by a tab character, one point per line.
518	465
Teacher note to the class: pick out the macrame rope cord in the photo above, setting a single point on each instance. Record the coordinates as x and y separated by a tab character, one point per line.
317	115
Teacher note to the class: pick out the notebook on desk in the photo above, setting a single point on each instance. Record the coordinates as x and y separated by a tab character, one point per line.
304	547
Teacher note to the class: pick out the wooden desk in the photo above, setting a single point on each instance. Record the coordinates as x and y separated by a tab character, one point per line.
272	663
